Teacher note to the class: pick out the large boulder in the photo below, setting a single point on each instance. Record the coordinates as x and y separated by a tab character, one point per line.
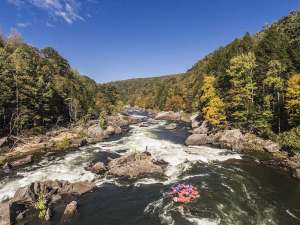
134	165
99	168
231	139
198	139
69	212
170	115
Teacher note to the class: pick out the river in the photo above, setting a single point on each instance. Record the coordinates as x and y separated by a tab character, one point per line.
234	189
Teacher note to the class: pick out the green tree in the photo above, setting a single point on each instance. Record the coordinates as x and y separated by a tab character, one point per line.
241	95
275	86
293	100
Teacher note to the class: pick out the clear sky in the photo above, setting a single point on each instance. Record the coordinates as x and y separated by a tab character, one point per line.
119	39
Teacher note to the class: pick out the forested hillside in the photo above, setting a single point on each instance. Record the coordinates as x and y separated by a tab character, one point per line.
39	89
253	83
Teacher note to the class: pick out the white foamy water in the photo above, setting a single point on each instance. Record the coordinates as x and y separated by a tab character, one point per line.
71	167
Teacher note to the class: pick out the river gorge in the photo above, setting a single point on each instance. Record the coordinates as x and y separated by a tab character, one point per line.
234	188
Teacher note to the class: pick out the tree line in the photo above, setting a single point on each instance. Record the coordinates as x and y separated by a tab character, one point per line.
253	84
39	90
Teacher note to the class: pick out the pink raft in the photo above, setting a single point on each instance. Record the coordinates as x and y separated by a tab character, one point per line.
184	193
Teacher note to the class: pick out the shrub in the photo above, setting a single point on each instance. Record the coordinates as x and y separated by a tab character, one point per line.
291	138
63	144
41	206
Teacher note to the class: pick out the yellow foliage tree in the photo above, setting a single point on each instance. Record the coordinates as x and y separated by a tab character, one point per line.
213	108
293	99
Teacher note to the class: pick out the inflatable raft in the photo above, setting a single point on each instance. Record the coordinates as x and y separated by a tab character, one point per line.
184	193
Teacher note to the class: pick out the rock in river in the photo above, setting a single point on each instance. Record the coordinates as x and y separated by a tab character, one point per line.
98	168
134	165
172	116
69	212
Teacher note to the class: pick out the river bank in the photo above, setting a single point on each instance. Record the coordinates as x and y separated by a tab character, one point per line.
268	152
61	140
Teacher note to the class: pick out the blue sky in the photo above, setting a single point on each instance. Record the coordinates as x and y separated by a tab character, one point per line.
119	39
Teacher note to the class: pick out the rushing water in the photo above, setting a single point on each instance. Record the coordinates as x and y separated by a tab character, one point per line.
234	190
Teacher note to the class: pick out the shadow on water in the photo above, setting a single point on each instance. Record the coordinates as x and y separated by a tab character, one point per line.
176	136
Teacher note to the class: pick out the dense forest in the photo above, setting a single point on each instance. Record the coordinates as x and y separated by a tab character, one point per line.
40	90
253	84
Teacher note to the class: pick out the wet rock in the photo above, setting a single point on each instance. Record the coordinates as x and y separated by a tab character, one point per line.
171	116
98	168
48	214
198	139
171	126
28	159
118	130
135	165
69	212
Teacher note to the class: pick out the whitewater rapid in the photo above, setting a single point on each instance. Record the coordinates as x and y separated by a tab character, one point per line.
71	167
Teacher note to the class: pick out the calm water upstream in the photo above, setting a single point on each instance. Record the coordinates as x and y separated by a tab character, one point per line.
234	190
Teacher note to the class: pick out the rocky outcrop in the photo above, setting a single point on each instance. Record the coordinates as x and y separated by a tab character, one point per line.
170	116
69	212
134	165
52	191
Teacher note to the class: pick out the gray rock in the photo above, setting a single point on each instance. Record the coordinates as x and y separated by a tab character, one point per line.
69	212
171	116
198	139
231	139
98	168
